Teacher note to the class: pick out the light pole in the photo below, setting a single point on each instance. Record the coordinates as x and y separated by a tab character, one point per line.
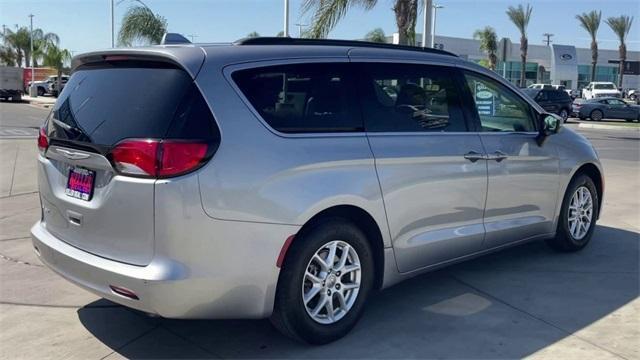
426	22
433	33
113	34
286	18
31	88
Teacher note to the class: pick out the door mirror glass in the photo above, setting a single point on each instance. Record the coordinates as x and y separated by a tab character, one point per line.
551	123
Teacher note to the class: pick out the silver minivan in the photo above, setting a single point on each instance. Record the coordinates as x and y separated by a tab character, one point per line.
291	179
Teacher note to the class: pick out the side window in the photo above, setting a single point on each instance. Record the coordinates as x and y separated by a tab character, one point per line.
407	97
499	108
615	102
302	98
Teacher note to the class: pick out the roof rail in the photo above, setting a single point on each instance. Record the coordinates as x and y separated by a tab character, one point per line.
334	42
174	38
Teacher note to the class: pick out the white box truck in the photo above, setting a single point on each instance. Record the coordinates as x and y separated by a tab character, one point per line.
11	83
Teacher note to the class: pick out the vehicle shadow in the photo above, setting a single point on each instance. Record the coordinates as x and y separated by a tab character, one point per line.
509	304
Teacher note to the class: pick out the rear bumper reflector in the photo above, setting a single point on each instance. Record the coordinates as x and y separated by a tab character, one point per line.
124	292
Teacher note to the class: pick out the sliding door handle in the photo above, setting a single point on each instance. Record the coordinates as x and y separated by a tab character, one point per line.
474	156
497	156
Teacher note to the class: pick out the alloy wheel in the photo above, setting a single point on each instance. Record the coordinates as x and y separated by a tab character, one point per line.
331	282
580	214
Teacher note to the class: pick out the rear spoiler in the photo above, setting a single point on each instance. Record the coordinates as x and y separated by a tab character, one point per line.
189	58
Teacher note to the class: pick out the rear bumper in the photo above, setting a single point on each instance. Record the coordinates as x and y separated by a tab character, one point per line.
165	287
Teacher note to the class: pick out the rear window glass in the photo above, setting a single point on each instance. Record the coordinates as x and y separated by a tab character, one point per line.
107	104
302	98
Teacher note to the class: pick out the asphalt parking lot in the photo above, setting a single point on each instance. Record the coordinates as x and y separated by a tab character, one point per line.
523	302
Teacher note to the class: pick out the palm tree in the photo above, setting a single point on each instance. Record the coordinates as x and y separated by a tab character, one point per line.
489	44
376	35
621	26
520	17
591	22
141	26
57	58
253	34
7	56
327	13
19	42
41	42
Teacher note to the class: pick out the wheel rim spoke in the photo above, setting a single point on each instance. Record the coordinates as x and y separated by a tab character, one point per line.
312	293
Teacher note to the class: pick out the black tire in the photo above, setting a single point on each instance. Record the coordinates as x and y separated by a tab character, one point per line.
41	91
564	241
564	114
596	115
290	315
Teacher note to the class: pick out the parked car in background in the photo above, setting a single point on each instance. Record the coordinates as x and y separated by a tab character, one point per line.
276	177
632	94
606	108
11	83
42	86
540	86
552	100
600	89
52	89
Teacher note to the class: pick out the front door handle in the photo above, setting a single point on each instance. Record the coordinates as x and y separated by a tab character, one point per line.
497	156
474	156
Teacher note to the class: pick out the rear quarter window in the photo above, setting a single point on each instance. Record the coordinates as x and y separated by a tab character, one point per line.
302	98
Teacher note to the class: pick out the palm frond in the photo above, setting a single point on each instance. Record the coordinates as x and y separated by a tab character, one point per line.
620	25
327	13
141	26
520	17
590	22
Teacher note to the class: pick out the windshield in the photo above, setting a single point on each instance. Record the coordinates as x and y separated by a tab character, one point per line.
604	86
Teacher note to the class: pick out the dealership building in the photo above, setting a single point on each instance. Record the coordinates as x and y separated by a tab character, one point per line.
554	64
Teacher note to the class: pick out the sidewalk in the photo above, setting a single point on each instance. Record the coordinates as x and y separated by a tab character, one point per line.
46	101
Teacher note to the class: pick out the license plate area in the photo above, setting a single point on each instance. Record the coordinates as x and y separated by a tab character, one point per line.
80	183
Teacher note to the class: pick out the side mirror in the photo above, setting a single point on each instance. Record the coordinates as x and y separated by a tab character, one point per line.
549	124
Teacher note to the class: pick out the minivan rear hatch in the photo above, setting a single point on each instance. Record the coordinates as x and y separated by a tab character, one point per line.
119	124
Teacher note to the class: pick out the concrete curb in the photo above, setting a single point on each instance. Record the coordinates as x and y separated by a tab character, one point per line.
609	127
46	102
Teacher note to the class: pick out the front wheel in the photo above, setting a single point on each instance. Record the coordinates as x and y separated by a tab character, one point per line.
324	283
580	208
596	115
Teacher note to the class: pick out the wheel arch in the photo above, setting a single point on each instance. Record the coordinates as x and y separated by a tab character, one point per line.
360	218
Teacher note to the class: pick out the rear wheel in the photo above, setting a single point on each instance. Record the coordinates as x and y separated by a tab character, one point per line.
324	283
577	221
40	91
596	115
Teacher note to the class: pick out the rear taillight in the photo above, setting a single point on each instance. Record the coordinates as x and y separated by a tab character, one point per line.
43	141
158	158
